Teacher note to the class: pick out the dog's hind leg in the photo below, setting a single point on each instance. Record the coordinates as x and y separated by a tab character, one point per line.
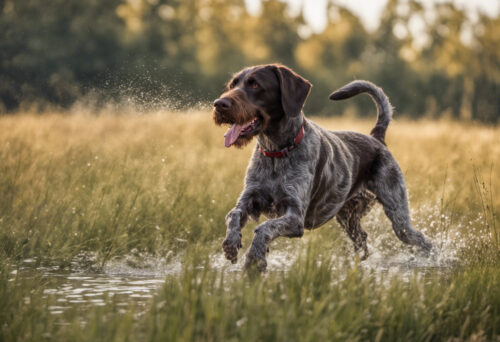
388	184
349	218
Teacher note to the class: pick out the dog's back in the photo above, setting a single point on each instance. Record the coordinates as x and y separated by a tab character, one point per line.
347	159
345	163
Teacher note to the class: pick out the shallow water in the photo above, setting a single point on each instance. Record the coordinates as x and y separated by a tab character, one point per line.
126	284
127	280
134	279
66	290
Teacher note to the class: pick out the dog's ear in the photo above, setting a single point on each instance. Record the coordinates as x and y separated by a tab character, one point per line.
294	90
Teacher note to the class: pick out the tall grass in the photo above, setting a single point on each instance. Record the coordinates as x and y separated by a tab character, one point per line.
111	184
312	301
160	184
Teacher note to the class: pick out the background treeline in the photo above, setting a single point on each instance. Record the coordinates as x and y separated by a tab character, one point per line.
154	53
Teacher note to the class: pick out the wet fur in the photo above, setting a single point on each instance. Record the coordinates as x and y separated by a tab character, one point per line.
329	174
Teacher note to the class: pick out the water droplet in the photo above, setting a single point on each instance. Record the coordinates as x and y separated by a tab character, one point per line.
241	321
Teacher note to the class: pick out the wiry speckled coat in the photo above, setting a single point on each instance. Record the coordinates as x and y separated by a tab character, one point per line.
326	174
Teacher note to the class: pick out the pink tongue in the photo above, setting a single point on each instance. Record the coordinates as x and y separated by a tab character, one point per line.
232	134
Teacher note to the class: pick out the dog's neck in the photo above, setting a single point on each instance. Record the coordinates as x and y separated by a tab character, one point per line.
282	135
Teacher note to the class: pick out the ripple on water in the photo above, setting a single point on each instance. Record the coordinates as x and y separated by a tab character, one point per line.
82	289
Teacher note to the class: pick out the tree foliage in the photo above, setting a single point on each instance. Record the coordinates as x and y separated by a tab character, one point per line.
156	51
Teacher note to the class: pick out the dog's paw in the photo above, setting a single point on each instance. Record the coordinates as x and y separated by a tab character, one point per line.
231	245
255	264
426	249
256	256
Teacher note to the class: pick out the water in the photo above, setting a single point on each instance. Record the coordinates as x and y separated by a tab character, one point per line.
128	280
126	284
135	279
65	290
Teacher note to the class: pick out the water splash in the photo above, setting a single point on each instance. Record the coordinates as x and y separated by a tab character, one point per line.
142	92
141	265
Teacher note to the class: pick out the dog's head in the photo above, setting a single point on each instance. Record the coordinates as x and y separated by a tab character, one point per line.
257	98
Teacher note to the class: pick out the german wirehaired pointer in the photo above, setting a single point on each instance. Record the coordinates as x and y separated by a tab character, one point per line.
301	175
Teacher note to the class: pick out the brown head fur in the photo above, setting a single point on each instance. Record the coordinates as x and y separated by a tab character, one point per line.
266	92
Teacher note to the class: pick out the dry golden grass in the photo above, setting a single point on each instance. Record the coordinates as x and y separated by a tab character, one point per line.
110	182
162	183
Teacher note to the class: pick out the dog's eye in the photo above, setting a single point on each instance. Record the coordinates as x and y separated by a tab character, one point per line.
233	83
253	84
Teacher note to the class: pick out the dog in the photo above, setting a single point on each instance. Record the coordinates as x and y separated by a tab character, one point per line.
300	175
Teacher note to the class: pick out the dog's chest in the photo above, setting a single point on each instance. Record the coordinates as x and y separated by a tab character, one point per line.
280	183
280	176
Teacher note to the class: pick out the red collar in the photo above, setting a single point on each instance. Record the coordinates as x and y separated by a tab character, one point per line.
284	152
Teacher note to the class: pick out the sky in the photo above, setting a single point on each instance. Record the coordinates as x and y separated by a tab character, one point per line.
370	10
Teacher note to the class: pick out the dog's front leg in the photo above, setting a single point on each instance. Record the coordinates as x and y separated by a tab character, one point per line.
235	220
249	204
290	225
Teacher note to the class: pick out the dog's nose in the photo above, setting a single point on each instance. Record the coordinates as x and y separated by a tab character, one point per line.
222	103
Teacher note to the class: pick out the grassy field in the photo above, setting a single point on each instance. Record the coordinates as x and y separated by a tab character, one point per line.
82	190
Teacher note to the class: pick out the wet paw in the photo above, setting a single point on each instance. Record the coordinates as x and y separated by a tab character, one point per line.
256	257
231	245
426	248
253	265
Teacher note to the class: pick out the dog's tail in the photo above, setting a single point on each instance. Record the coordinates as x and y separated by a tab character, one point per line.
384	108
